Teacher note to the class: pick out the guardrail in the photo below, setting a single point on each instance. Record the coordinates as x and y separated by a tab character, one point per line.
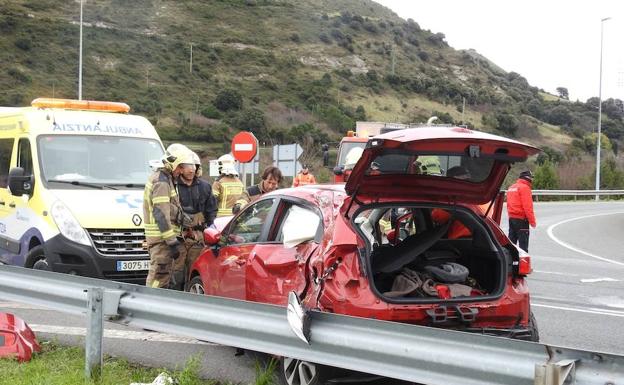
413	353
577	192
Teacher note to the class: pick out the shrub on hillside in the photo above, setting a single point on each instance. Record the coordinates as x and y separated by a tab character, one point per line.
251	119
23	43
211	112
546	177
324	38
229	99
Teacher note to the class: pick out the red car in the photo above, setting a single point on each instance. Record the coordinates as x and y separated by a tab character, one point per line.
412	237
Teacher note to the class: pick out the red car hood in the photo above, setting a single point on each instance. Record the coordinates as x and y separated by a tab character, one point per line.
451	141
16	338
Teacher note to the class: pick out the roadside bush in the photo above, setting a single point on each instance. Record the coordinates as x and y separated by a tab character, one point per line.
211	112
546	177
229	99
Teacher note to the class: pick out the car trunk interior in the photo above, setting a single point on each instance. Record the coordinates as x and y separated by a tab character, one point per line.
430	254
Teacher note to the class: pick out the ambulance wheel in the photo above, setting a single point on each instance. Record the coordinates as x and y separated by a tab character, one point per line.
196	286
37	260
298	372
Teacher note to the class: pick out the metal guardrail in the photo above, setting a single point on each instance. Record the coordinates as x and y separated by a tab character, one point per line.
577	192
414	353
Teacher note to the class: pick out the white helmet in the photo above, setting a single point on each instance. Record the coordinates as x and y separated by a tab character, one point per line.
198	165
226	165
175	155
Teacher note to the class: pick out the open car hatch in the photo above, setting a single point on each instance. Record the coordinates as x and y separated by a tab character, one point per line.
436	161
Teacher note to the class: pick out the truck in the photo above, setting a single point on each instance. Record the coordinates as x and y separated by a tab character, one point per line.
72	175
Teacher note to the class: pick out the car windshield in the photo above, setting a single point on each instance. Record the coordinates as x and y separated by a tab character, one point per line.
80	161
347	148
462	167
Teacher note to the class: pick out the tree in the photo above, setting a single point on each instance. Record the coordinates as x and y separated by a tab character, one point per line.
229	99
546	177
563	93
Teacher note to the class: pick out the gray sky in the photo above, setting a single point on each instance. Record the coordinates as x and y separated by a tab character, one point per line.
551	43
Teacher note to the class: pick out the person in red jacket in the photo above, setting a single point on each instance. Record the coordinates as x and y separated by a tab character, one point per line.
520	210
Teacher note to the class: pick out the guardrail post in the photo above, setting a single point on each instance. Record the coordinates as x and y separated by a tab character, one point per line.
95	330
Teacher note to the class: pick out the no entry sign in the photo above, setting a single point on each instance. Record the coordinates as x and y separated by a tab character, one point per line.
244	146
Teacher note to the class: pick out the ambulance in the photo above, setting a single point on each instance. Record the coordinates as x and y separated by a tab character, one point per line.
72	175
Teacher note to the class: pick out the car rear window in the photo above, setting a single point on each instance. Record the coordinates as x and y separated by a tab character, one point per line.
462	167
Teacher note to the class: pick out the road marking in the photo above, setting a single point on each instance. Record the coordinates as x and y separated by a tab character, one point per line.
555	273
15	305
116	333
567	245
592	280
590	310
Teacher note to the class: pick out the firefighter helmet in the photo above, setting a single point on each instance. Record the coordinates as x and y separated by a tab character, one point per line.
177	154
226	165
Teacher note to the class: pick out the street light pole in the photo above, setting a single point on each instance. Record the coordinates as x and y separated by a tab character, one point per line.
599	111
80	58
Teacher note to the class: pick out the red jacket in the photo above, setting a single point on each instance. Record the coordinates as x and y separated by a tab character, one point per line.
520	201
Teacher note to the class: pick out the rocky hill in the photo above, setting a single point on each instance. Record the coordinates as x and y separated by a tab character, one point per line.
285	69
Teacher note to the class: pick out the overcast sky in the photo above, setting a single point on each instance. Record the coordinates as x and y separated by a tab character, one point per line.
552	43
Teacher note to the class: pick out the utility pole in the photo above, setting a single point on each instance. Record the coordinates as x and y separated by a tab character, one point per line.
599	112
80	57
191	60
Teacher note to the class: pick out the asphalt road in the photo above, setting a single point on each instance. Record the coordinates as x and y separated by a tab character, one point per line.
577	296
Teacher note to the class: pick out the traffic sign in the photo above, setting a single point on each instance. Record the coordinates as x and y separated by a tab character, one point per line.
285	158
244	146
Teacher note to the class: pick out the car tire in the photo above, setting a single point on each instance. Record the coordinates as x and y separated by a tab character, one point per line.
533	328
37	260
195	285
298	372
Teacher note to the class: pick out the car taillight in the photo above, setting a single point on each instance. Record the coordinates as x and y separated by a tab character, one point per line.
524	265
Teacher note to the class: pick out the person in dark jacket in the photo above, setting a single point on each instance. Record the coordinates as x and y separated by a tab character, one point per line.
271	180
200	207
520	210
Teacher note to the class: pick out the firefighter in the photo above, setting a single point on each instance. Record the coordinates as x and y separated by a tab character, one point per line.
271	180
162	213
196	200
304	177
227	189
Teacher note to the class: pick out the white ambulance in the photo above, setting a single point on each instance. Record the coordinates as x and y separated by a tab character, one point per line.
72	175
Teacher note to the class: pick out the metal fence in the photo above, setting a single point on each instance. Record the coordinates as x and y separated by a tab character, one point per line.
413	353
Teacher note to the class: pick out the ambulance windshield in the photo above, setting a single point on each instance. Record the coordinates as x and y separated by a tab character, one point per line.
105	160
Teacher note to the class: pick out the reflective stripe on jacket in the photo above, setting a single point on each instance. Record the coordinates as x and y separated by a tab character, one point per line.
161	208
228	190
520	201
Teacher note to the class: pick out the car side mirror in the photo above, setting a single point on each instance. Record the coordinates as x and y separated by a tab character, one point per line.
20	184
338	170
298	318
211	236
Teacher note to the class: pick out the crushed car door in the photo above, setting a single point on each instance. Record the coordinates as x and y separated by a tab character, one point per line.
280	265
242	235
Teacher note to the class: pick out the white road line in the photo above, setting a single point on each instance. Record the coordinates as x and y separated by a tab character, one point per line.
592	280
15	305
592	311
567	245
115	333
555	273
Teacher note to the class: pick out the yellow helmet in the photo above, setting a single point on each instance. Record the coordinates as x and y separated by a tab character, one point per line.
177	154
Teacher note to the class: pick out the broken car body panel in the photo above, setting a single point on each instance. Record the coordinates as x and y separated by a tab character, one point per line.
16	338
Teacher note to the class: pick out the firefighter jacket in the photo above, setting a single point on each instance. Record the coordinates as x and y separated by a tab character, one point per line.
161	209
228	191
520	201
302	179
197	198
252	193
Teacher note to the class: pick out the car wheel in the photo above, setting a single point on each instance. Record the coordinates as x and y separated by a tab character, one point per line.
196	286
533	328
298	372
38	258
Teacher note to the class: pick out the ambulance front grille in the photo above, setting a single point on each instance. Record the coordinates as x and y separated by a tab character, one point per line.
119	242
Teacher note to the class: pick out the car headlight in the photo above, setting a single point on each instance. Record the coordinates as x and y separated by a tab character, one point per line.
68	224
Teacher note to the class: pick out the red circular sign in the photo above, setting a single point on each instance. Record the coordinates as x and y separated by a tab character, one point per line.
244	146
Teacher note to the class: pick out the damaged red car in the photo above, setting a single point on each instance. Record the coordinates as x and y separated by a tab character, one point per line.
412	237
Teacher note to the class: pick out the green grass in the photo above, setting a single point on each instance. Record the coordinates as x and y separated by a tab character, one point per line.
62	365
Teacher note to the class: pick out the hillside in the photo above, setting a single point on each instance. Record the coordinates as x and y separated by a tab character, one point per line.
286	69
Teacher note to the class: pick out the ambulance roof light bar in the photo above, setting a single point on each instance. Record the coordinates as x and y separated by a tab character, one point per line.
80	105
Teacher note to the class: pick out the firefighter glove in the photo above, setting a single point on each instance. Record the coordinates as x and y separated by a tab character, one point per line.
174	251
236	208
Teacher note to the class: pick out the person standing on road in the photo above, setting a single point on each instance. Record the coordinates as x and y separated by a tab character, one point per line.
304	177
162	216
271	180
227	189
520	210
200	205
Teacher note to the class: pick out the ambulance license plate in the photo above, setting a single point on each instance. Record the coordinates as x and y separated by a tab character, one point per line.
133	265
